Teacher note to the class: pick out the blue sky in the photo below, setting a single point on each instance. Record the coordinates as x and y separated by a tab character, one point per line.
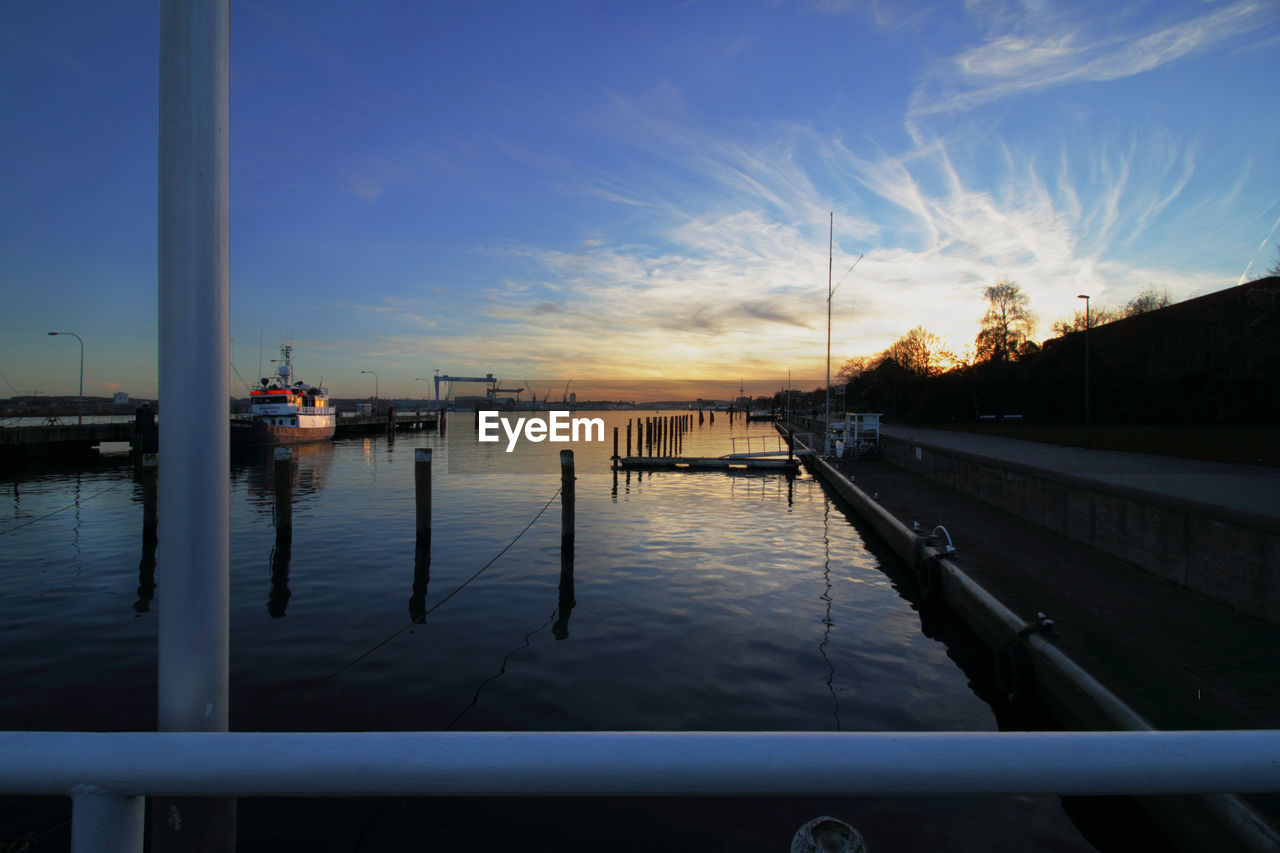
601	190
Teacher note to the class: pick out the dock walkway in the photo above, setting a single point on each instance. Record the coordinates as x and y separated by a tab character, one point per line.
1178	658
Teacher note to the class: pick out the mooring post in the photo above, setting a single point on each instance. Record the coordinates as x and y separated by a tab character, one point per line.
712	415
628	438
284	488
149	475
567	494
615	447
565	601
422	491
391	422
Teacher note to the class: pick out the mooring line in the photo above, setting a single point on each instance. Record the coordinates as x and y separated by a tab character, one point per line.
416	621
72	505
501	669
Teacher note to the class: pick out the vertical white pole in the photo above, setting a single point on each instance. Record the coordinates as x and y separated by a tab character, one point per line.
103	822
826	419
192	556
195	431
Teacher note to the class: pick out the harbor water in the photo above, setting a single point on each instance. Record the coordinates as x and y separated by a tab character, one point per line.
706	601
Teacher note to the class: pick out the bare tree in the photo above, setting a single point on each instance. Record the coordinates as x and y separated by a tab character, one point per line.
855	367
920	352
1097	317
1148	300
1008	323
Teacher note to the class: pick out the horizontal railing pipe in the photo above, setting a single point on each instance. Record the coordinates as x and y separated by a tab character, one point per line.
638	763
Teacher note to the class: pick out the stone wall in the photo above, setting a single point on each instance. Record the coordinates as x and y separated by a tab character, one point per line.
1231	556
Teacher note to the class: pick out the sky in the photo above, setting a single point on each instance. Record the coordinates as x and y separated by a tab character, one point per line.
589	192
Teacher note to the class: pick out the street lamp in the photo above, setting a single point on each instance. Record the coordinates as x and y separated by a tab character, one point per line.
1085	297
375	385
80	399
420	379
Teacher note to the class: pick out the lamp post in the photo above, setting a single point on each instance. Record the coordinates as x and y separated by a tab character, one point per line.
420	379
1085	297
80	399
375	386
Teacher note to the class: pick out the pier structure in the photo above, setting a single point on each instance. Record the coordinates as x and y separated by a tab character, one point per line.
660	440
60	440
1089	636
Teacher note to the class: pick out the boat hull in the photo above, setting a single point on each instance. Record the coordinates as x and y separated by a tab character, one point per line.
257	432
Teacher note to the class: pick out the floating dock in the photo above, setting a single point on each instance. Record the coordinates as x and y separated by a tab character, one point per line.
748	462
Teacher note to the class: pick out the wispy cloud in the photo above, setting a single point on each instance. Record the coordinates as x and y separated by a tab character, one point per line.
734	266
1032	51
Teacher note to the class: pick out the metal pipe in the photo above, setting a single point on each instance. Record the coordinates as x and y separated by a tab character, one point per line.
106	822
192	554
639	763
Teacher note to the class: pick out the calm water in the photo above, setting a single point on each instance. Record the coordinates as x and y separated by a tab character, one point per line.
700	601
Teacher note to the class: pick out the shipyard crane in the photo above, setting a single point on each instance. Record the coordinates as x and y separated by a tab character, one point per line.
487	379
494	391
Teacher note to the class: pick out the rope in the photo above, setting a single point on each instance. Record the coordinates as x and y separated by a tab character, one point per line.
72	505
416	621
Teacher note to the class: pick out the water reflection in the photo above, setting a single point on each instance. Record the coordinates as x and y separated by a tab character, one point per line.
826	618
278	597
254	467
146	478
421	577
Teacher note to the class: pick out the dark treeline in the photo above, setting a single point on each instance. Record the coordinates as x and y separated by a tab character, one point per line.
1210	360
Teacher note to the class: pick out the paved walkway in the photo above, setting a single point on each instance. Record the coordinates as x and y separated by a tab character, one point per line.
1249	488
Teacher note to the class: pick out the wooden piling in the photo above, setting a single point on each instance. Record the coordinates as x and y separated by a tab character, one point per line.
567	494
391	421
284	488
628	438
565	601
422	492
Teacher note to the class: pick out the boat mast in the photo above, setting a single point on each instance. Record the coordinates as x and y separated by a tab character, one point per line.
826	422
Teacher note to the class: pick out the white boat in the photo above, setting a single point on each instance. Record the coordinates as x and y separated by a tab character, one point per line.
285	411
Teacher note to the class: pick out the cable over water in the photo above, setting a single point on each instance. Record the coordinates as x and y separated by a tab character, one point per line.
417	620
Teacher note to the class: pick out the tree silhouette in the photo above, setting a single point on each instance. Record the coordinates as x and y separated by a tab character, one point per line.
1148	300
920	353
1008	323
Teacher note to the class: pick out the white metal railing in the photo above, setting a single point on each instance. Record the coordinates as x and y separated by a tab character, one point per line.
625	763
108	774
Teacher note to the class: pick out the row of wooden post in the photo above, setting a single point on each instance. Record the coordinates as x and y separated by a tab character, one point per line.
656	436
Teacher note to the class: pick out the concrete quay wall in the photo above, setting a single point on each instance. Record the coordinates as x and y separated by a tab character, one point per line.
1066	690
1227	555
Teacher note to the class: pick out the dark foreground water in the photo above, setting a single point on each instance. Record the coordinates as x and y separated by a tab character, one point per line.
700	601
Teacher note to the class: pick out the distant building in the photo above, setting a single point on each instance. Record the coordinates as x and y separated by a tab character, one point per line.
120	398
